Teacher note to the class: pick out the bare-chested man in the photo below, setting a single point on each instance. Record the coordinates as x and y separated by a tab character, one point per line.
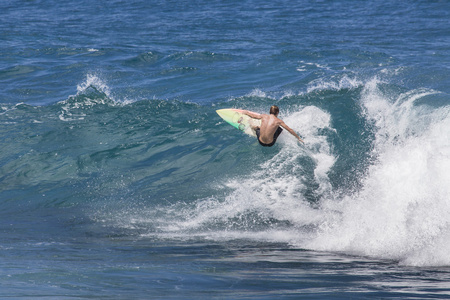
270	128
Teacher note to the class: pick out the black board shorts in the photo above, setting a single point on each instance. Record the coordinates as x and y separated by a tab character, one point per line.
275	136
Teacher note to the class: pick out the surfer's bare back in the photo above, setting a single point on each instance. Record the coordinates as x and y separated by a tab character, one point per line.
270	127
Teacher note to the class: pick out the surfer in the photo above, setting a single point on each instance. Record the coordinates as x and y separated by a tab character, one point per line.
270	128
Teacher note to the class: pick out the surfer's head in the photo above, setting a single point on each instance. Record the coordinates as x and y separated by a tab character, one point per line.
274	110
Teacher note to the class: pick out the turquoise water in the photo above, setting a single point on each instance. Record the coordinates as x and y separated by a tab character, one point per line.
119	181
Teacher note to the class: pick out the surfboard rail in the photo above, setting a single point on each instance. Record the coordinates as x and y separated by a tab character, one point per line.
239	120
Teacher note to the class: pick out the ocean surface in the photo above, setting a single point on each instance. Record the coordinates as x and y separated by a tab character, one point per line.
118	180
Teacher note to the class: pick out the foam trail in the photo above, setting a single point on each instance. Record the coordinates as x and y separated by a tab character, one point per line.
273	192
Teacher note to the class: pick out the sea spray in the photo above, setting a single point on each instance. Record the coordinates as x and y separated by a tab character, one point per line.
402	212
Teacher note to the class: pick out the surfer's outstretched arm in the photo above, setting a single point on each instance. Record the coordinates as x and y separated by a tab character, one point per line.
291	131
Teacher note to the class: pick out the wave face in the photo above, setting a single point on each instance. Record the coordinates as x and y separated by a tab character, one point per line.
371	179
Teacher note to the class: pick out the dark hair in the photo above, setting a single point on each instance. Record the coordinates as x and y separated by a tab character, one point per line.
274	110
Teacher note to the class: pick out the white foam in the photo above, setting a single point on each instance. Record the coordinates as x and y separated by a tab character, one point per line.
402	212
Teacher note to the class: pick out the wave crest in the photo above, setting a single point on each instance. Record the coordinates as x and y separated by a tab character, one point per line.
92	92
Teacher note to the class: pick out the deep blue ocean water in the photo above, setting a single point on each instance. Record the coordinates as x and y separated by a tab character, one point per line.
119	181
